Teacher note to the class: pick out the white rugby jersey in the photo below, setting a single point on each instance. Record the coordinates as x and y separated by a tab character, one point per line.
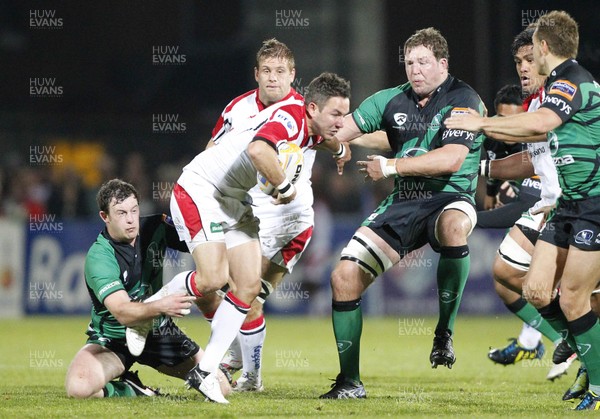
541	158
248	106
228	166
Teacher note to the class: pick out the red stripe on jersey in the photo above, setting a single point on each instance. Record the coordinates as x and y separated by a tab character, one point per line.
230	108
297	245
188	209
275	131
527	101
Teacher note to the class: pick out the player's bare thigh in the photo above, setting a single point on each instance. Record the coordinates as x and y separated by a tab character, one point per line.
90	370
544	272
578	280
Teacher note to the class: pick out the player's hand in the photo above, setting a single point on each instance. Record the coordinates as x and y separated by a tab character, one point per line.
377	168
287	197
176	305
489	202
341	160
470	121
546	210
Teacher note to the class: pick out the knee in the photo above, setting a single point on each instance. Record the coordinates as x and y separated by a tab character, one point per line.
538	297
207	282
79	388
346	281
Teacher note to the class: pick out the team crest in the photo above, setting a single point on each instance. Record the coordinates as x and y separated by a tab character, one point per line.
400	118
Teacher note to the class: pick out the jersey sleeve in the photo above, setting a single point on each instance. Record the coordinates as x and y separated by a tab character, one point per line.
466	99
563	98
369	115
102	273
284	124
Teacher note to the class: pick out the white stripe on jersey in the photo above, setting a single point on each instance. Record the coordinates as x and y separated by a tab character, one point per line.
543	164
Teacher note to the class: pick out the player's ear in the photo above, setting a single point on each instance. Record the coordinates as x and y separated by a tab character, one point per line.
104	216
312	108
444	63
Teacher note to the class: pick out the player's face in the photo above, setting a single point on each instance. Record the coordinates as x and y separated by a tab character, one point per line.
538	57
527	70
423	71
328	121
508	109
274	77
123	220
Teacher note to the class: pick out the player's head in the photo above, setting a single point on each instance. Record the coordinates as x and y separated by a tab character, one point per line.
274	71
522	52
556	34
119	209
327	100
426	60
508	100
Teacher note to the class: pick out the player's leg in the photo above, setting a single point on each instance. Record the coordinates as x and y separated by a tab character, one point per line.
510	266
253	332
452	227
578	280
91	372
364	258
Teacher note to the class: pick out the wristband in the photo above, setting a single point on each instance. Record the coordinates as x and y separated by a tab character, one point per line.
286	189
340	152
388	166
484	168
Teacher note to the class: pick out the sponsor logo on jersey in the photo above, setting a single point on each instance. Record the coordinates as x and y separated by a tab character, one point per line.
459	111
559	103
216	227
458	133
400	118
107	287
564	88
287	121
584	237
435	122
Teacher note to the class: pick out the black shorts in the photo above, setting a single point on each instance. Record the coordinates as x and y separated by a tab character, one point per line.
165	345
407	225
575	223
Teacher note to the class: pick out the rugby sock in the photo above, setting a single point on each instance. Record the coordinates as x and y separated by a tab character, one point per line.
347	328
182	283
452	274
529	338
556	318
118	389
529	314
586	331
224	327
252	337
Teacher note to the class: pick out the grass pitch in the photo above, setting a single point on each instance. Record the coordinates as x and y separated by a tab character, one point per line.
299	359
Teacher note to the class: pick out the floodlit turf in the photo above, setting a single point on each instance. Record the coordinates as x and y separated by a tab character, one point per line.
299	360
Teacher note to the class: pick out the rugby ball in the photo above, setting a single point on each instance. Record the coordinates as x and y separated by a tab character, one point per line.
291	161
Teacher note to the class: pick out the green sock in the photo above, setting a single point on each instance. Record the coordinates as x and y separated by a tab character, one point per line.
118	389
557	320
533	318
347	328
452	274
586	331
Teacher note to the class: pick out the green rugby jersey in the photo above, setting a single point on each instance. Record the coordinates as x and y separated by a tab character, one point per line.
111	266
413	130
574	95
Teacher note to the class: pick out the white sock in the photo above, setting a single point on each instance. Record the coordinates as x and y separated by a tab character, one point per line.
224	327
233	356
252	337
529	337
181	283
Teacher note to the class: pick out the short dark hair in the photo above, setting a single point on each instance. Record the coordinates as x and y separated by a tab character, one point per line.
523	39
325	86
430	38
511	94
561	33
117	189
272	48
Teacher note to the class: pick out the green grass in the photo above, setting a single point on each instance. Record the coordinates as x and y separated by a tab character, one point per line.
299	360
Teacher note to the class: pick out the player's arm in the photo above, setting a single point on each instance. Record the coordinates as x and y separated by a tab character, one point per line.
527	126
339	151
131	313
264	157
516	166
509	138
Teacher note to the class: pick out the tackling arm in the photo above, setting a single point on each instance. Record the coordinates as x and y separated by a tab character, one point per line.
130	313
515	166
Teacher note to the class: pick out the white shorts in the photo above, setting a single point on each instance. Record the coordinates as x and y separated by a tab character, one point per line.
284	236
202	214
531	221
